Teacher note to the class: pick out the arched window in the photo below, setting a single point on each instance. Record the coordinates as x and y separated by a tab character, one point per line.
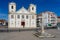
32	8
32	17
18	16
27	16
12	16
12	7
22	16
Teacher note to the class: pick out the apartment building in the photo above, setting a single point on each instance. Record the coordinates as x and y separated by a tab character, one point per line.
48	19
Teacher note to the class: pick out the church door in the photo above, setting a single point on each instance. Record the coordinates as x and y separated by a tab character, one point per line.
23	24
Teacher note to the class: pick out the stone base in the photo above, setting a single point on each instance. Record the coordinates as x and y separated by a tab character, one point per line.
42	35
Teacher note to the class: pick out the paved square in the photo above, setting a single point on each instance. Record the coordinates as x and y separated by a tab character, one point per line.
28	35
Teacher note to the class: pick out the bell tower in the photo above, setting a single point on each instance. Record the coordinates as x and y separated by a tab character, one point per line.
12	7
32	8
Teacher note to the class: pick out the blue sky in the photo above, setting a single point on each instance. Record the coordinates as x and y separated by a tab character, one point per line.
42	5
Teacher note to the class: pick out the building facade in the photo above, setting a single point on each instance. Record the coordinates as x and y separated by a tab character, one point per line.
49	19
58	19
22	18
2	22
58	22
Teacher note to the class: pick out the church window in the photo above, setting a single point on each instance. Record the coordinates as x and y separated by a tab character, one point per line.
27	17
32	17
32	8
22	16
12	16
12	7
18	16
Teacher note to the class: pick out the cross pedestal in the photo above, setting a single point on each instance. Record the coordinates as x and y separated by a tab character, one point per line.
43	34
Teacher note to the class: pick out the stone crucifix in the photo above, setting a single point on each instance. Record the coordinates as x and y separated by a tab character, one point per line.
42	25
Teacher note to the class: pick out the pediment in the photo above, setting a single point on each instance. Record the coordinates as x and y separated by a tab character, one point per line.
22	10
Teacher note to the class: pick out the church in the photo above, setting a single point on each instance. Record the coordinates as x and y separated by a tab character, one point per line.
23	18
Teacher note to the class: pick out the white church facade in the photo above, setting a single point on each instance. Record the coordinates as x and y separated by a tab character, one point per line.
22	18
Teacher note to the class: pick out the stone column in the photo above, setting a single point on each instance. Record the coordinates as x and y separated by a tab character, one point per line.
42	25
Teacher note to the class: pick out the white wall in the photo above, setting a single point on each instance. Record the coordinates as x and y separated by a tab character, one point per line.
29	23
11	22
